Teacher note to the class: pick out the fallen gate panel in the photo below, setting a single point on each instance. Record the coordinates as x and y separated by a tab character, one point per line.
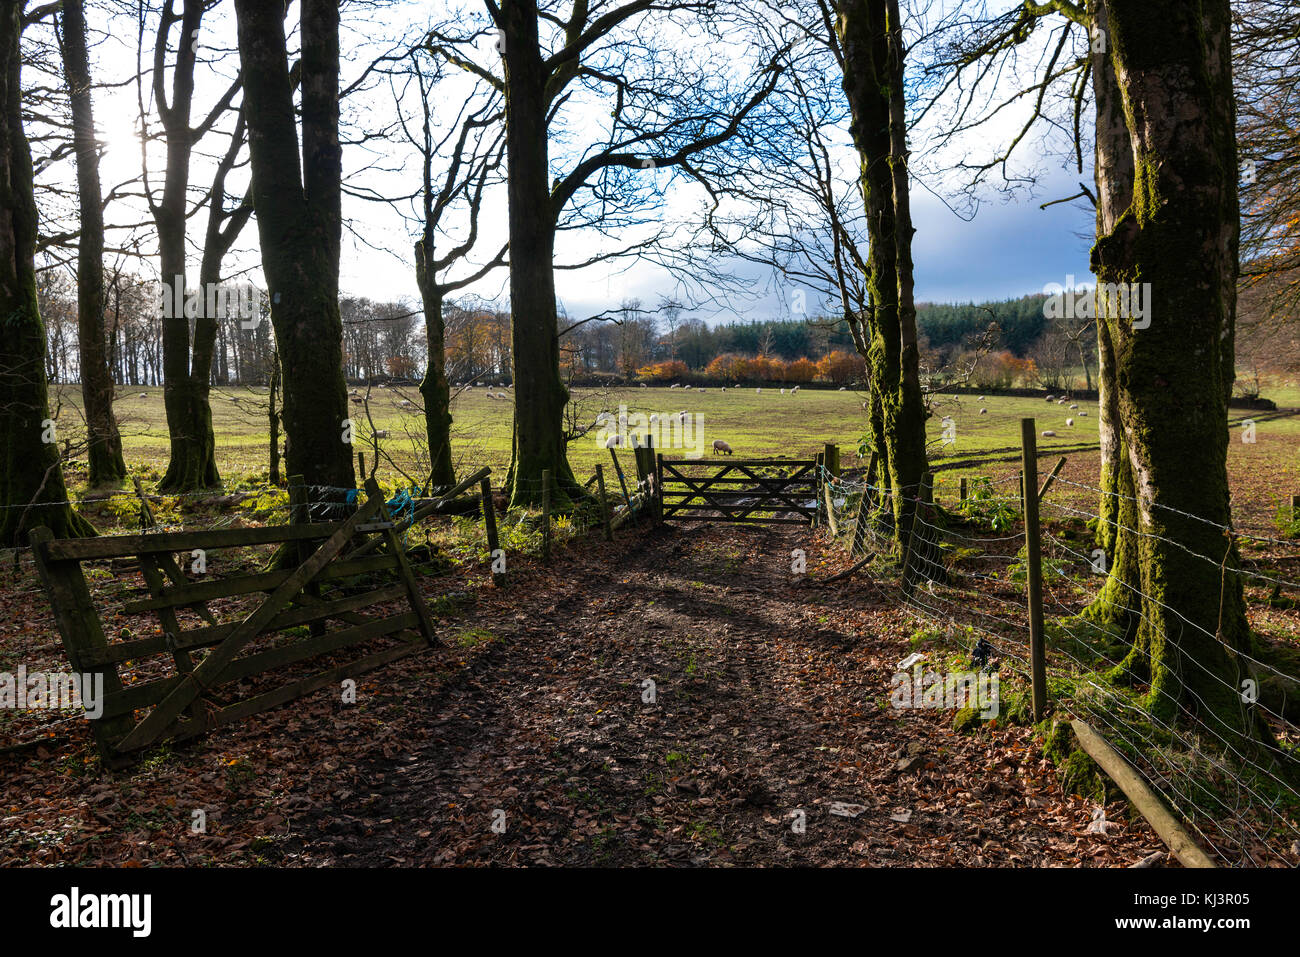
210	658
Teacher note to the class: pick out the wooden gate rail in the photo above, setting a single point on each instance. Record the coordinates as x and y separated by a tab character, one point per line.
737	492
192	700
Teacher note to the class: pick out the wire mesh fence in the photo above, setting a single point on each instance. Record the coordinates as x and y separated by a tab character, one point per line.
1238	793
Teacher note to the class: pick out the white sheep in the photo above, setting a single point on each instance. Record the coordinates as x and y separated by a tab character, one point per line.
783	391
757	391
844	388
490	395
981	398
502	395
405	402
1069	421
687	386
1051	398
720	447
1049	434
984	411
794	390
654	419
675	385
1083	411
614	441
1060	402
144	395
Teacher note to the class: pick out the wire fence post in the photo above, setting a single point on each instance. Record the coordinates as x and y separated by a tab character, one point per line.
604	502
546	515
913	538
490	527
1033	562
864	508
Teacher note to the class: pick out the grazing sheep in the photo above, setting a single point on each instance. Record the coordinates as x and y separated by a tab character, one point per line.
381	433
981	398
1051	398
144	395
357	400
865	407
984	411
406	402
654	419
844	388
1083	412
1049	434
701	390
757	391
675	385
720	447
502	395
490	395
614	441
783	391
1060	402
1069	421
1074	405
644	386
687	386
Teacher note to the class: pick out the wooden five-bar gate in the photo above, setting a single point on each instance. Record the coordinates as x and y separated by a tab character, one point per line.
763	491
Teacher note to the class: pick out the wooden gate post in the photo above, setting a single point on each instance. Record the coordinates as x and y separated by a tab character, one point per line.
546	514
961	486
604	502
490	527
1033	559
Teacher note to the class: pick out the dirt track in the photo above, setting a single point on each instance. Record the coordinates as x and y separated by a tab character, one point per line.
769	700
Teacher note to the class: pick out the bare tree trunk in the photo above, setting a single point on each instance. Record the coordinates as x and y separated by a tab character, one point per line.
300	226
31	474
540	394
434	387
104	451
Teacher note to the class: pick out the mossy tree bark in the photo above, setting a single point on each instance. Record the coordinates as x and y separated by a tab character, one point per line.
300	227
1117	603
869	33
104	441
1179	233
32	490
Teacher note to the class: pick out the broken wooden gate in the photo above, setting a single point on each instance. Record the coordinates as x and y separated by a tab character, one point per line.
209	683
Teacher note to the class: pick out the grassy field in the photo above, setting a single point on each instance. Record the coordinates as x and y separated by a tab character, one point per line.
755	424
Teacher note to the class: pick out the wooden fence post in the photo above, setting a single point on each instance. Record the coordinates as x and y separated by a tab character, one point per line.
490	527
1033	561
604	502
659	487
961	485
546	514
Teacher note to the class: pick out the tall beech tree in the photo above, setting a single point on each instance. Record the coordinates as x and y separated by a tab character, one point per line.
662	112
32	490
187	364
104	442
299	223
871	56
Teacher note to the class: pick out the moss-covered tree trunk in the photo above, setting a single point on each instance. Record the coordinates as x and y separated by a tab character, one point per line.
1117	603
540	394
300	227
873	63
104	442
434	387
30	470
1179	234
